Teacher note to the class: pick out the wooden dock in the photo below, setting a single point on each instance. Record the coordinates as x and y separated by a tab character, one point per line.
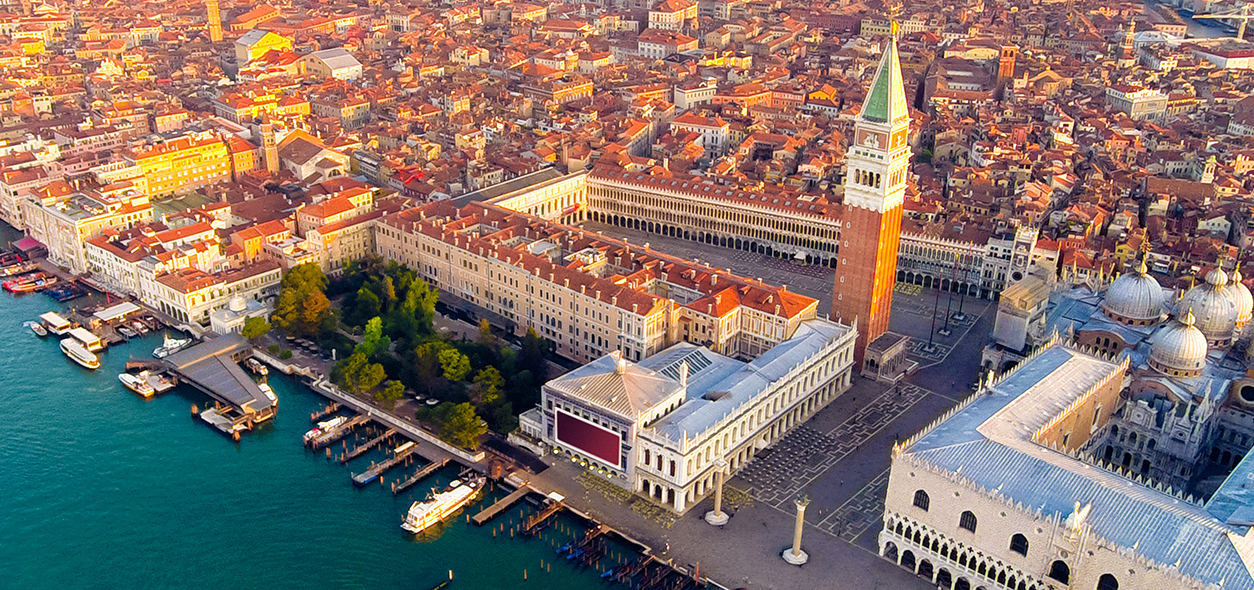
324	412
538	518
339	432
418	476
361	449
491	511
377	469
144	365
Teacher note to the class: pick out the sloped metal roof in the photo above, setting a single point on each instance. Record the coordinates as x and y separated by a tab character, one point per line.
989	442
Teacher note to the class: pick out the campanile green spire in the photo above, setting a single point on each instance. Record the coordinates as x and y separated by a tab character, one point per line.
886	102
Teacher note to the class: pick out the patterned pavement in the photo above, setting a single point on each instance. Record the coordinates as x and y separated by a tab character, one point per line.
860	513
778	473
751	259
918	351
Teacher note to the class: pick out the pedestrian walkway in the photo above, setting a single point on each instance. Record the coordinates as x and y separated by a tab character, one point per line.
805	454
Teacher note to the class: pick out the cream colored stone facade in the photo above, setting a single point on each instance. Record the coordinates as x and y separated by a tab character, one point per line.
64	223
586	294
784	405
669	451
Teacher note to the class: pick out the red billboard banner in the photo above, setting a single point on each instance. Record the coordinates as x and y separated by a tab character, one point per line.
589	438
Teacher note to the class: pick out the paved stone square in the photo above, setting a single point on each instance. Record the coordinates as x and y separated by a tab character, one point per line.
805	453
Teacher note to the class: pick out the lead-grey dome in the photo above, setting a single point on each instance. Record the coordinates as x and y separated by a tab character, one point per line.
1135	298
1179	349
1213	308
1240	295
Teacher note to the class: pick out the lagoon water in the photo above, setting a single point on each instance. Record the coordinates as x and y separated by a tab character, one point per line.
100	488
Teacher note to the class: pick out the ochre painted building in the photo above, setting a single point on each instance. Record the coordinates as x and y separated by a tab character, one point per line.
184	165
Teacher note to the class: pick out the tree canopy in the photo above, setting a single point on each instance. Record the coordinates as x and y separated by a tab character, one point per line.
455	364
303	306
373	337
255	327
488	384
389	395
459	424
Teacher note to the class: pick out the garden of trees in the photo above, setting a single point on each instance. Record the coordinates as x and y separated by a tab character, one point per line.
476	380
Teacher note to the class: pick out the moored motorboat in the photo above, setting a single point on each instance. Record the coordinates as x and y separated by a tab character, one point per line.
19	268
14	284
266	389
439	505
35	285
79	353
257	367
137	383
170	346
324	426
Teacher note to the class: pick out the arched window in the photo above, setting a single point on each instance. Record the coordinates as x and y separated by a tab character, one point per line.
921	500
1059	571
1107	582
1019	544
967	521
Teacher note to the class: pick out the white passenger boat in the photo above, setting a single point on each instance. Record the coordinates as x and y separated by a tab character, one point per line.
137	383
171	346
266	389
439	505
79	354
257	367
325	426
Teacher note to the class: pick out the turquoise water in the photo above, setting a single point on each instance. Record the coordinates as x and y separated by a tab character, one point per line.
102	489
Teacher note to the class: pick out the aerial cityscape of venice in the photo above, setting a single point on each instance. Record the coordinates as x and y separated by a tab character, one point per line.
652	295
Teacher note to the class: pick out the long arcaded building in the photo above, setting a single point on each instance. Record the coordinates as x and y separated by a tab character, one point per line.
588	294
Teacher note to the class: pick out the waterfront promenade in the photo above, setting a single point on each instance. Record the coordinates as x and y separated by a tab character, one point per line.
840	458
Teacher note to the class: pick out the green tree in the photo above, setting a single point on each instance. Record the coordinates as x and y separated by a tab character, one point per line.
532	355
255	327
387	293
455	364
370	377
460	425
426	368
345	372
306	276
394	391
488	384
367	305
504	418
402	276
371	337
420	303
485	334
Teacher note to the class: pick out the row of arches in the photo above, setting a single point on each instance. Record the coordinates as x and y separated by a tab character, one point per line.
927	281
972	562
865	178
732	242
969	561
